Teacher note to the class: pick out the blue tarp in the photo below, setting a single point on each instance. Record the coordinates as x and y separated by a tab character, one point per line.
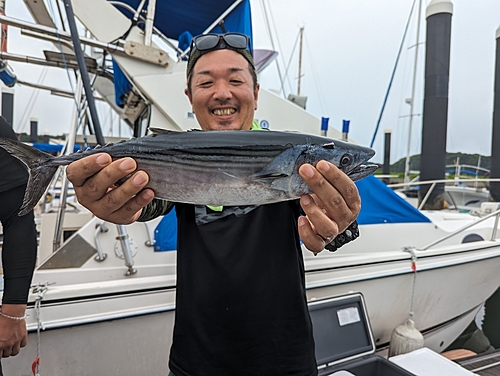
50	148
379	204
173	18
122	84
166	233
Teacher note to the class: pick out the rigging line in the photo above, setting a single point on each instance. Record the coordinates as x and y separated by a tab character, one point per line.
290	61
21	125
393	74
63	55
264	10
322	102
60	15
273	24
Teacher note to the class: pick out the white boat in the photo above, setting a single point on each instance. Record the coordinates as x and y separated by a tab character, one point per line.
104	302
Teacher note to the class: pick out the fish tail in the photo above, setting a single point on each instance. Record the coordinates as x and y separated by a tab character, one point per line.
41	172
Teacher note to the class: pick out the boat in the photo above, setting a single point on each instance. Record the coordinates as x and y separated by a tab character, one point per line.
103	302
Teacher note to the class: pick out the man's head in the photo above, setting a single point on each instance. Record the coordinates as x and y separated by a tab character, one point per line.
221	81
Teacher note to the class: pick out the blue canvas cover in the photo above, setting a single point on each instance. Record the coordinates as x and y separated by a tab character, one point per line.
173	18
166	233
379	204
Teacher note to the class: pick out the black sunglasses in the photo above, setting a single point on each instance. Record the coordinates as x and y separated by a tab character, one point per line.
208	42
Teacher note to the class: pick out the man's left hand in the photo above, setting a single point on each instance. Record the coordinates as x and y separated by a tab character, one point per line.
330	209
13	333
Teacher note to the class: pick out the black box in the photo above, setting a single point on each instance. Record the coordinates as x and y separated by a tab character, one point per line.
344	339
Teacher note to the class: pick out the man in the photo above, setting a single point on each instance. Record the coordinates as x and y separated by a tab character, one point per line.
18	250
240	306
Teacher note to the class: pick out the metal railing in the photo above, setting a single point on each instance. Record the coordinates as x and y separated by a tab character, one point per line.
433	184
495	214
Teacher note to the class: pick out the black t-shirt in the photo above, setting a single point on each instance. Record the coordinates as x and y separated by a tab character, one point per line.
13	172
241	302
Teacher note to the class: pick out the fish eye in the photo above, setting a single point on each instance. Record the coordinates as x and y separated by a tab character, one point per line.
345	160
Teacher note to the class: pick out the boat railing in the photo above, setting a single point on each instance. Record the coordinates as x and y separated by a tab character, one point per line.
495	214
433	184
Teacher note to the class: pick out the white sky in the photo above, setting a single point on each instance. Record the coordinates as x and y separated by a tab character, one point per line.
350	47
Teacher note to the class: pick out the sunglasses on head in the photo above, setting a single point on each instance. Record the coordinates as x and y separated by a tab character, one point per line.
208	42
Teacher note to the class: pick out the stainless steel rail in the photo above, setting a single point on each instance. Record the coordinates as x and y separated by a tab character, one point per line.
493	231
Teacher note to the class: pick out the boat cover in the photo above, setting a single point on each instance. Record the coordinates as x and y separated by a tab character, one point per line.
379	204
174	18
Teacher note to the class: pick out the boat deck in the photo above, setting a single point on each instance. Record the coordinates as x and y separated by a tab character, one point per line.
484	364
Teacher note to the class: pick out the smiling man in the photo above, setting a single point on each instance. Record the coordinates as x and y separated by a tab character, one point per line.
241	306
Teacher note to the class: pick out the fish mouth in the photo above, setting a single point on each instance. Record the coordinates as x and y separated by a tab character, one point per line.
362	171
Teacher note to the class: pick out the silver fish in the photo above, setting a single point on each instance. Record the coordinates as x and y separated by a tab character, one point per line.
230	168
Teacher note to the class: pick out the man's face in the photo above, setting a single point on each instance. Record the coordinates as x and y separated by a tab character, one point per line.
222	91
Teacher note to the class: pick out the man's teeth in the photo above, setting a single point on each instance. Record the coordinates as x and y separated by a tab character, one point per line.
224	112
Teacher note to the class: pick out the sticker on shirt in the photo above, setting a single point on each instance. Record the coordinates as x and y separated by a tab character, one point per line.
204	214
348	316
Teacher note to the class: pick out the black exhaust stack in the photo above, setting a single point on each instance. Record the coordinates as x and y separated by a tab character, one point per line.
495	138
435	114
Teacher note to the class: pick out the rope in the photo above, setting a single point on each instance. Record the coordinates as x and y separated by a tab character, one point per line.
411	251
39	289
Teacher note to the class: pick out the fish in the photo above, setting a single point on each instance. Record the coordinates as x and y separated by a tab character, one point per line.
218	168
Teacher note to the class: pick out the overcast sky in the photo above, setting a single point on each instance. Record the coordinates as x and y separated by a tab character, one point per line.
350	48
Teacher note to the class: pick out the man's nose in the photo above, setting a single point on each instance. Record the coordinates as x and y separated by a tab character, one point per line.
222	91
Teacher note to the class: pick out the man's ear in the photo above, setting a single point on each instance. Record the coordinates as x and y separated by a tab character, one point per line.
188	94
256	95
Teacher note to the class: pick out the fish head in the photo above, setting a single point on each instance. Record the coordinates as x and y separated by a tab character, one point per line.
282	173
349	158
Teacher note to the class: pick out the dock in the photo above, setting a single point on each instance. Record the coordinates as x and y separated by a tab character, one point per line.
483	364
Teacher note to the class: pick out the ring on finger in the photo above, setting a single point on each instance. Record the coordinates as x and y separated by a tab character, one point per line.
327	239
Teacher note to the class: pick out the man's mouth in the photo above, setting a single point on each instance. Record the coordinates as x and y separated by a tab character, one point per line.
224	111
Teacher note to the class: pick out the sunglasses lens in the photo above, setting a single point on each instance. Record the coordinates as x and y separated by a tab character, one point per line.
236	40
206	42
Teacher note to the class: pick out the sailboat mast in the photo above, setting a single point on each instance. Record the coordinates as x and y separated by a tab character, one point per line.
300	59
412	99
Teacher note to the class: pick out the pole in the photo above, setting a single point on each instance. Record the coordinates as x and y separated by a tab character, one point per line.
386	169
412	101
495	138
435	113
83	71
300	60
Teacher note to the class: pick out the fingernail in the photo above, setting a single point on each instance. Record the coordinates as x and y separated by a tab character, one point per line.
127	164
302	221
102	160
139	179
323	166
146	195
306	200
308	171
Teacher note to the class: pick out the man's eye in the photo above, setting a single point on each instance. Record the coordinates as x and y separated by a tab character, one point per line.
205	83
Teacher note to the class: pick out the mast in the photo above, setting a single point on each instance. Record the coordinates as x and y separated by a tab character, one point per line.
412	99
300	59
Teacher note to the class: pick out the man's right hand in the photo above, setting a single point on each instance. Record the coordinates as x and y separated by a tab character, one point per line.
93	179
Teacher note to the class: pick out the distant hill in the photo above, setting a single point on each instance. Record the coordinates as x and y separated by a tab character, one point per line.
451	158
